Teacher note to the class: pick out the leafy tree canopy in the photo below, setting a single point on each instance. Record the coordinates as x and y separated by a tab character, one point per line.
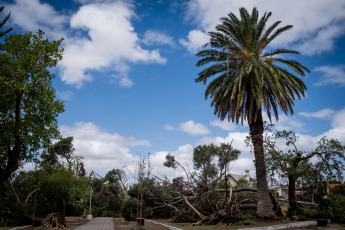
28	104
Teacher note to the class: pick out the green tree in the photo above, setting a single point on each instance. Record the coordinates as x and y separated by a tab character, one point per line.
203	158
65	150
291	164
3	21
28	104
249	80
60	185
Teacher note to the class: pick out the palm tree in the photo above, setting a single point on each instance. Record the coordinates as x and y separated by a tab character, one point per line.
3	21
248	79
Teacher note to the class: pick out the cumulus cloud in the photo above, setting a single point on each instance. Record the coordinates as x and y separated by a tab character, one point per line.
157	38
32	15
324	113
102	151
194	129
311	34
112	43
285	122
338	127
195	40
245	161
331	75
224	125
100	37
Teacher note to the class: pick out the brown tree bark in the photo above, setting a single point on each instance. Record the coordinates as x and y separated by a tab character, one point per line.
265	206
292	193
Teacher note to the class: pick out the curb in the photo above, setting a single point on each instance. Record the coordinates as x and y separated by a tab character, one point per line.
167	226
283	226
23	227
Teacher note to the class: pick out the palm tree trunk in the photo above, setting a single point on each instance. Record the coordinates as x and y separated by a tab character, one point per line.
265	206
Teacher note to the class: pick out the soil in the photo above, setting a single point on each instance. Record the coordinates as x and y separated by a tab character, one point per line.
72	223
188	226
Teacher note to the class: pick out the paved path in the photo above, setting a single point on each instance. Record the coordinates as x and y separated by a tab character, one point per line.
99	223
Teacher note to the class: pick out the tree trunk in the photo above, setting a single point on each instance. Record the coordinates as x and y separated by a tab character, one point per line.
292	193
13	154
265	206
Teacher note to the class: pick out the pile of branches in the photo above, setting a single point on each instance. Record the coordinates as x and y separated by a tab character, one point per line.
54	220
207	206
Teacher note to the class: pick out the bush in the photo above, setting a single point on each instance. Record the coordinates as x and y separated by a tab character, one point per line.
129	209
337	205
332	208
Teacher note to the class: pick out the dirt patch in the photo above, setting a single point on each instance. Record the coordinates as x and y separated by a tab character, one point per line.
72	223
188	226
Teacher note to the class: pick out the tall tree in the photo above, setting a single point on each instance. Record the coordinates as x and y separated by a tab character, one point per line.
249	80
28	103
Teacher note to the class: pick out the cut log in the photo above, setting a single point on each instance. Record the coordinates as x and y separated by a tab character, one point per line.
243	189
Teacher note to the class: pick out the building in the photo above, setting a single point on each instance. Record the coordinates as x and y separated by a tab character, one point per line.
283	191
234	178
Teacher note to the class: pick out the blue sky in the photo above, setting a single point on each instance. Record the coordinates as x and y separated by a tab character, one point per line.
128	73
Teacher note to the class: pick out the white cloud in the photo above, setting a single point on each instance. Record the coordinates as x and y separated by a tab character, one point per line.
338	127
311	34
195	40
32	15
169	127
157	38
224	125
113	44
332	75
324	113
122	80
235	138
101	37
102	151
285	122
194	129
324	36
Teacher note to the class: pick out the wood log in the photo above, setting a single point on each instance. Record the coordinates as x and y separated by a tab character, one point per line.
243	189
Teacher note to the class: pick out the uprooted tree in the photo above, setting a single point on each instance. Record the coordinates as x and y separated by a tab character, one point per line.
207	196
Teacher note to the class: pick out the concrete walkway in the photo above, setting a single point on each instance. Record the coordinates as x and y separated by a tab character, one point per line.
284	226
99	223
